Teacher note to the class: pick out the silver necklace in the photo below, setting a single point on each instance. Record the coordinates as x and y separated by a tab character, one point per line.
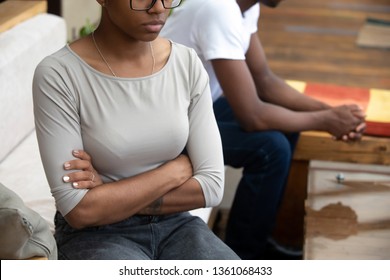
108	65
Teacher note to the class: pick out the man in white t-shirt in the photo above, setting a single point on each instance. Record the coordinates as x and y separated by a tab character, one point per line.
258	114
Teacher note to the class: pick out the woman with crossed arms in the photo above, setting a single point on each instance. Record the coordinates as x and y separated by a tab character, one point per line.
133	102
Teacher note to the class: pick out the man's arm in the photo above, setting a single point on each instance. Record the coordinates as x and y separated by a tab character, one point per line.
256	109
272	88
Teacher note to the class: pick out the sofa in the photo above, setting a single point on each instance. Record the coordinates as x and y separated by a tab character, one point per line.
22	47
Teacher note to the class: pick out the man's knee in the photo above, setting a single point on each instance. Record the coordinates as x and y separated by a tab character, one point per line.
275	148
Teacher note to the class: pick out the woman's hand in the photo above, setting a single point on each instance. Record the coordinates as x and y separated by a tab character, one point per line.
180	168
86	177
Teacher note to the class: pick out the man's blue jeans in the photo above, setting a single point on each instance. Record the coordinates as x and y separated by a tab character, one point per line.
265	158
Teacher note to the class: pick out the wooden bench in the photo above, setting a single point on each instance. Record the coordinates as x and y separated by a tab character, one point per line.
289	229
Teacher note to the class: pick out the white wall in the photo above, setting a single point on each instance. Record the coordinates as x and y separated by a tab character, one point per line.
76	13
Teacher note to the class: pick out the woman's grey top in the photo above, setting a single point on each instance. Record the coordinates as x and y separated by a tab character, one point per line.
127	125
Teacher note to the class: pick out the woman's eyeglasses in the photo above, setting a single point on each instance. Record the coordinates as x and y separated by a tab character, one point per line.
145	5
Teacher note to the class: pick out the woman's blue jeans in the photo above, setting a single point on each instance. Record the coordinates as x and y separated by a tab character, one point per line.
170	237
265	158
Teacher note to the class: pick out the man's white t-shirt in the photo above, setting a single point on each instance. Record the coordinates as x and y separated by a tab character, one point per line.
215	29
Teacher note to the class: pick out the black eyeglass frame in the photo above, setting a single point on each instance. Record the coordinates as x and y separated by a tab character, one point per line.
152	4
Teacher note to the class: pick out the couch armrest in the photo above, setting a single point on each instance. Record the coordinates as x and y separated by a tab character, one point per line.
14	12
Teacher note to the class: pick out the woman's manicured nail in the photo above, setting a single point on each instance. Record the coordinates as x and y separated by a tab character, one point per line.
66	178
75	185
75	152
67	165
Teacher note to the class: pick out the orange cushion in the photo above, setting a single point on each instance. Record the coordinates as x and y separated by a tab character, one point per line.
375	102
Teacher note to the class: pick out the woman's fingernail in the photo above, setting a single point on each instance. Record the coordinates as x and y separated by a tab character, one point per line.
67	165
66	178
75	185
75	152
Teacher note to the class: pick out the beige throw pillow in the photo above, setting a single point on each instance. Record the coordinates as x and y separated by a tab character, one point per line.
23	232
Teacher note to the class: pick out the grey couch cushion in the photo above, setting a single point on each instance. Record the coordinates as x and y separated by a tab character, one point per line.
23	232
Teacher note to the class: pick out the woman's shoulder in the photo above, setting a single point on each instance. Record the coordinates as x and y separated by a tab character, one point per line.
183	50
65	61
57	58
63	64
186	59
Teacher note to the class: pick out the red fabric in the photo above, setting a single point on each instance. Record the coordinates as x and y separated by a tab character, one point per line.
377	129
336	95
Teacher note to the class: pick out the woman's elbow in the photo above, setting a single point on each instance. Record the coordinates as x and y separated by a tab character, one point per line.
218	200
78	218
216	194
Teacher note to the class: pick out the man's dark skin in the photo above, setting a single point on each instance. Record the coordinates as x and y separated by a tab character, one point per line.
271	3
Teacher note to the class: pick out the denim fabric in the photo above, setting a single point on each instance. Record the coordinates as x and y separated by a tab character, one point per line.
171	237
265	157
